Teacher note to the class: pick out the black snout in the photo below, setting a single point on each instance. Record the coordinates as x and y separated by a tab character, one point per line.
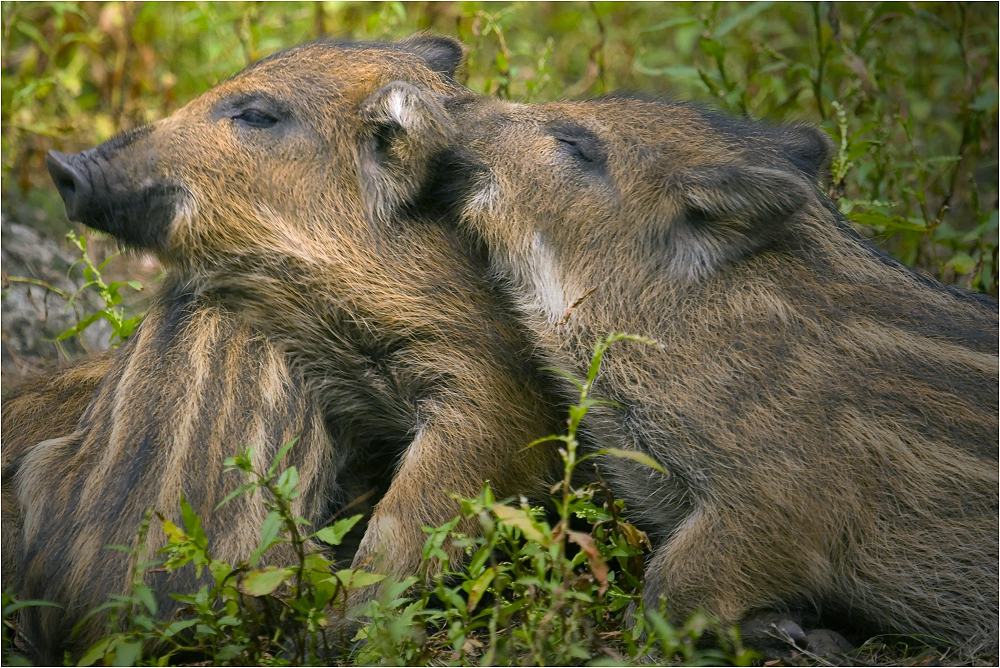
115	188
71	182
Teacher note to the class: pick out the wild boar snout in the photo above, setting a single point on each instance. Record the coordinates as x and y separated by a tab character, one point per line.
114	188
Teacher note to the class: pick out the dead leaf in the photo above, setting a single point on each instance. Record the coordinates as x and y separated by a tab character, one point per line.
597	564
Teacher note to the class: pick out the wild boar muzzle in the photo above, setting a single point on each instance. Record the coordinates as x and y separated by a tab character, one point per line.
102	192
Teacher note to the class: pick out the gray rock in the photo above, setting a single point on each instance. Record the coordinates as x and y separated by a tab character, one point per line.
32	316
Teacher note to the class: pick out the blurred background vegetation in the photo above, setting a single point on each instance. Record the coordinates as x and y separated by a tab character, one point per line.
907	90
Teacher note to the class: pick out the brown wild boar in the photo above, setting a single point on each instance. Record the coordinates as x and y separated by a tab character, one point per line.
828	416
250	196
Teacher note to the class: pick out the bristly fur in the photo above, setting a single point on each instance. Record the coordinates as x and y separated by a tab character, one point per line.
37	409
828	417
192	386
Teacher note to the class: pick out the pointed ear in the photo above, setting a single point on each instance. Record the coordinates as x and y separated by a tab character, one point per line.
443	55
404	130
809	149
728	214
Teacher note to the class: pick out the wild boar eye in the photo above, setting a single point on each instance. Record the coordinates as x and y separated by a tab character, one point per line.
256	119
578	142
577	147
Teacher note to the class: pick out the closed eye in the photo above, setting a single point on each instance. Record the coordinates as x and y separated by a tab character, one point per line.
577	142
574	145
255	118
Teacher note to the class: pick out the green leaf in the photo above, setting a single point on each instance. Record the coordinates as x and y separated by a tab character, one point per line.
127	653
633	455
11	608
281	455
236	492
177	627
105	263
962	263
80	326
741	16
502	63
712	48
174	533
287	481
101	608
192	523
99	650
566	21
479	588
356	578
682	73
515	606
128	326
261	583
228	652
859	149
35	34
333	535
678	22
864	129
986	101
268	531
516	517
566	375
883	220
144	594
482	554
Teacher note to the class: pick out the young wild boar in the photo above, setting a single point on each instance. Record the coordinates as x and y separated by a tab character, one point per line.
250	195
828	417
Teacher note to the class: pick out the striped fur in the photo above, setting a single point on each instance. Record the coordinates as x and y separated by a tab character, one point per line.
193	386
37	409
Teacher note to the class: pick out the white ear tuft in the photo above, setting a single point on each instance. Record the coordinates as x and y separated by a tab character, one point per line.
404	129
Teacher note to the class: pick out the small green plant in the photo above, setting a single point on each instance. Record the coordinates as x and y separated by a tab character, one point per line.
113	312
248	615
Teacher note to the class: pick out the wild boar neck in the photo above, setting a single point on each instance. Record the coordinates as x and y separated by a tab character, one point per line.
572	287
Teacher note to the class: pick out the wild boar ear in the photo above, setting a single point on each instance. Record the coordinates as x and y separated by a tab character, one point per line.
404	130
809	149
728	214
444	55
